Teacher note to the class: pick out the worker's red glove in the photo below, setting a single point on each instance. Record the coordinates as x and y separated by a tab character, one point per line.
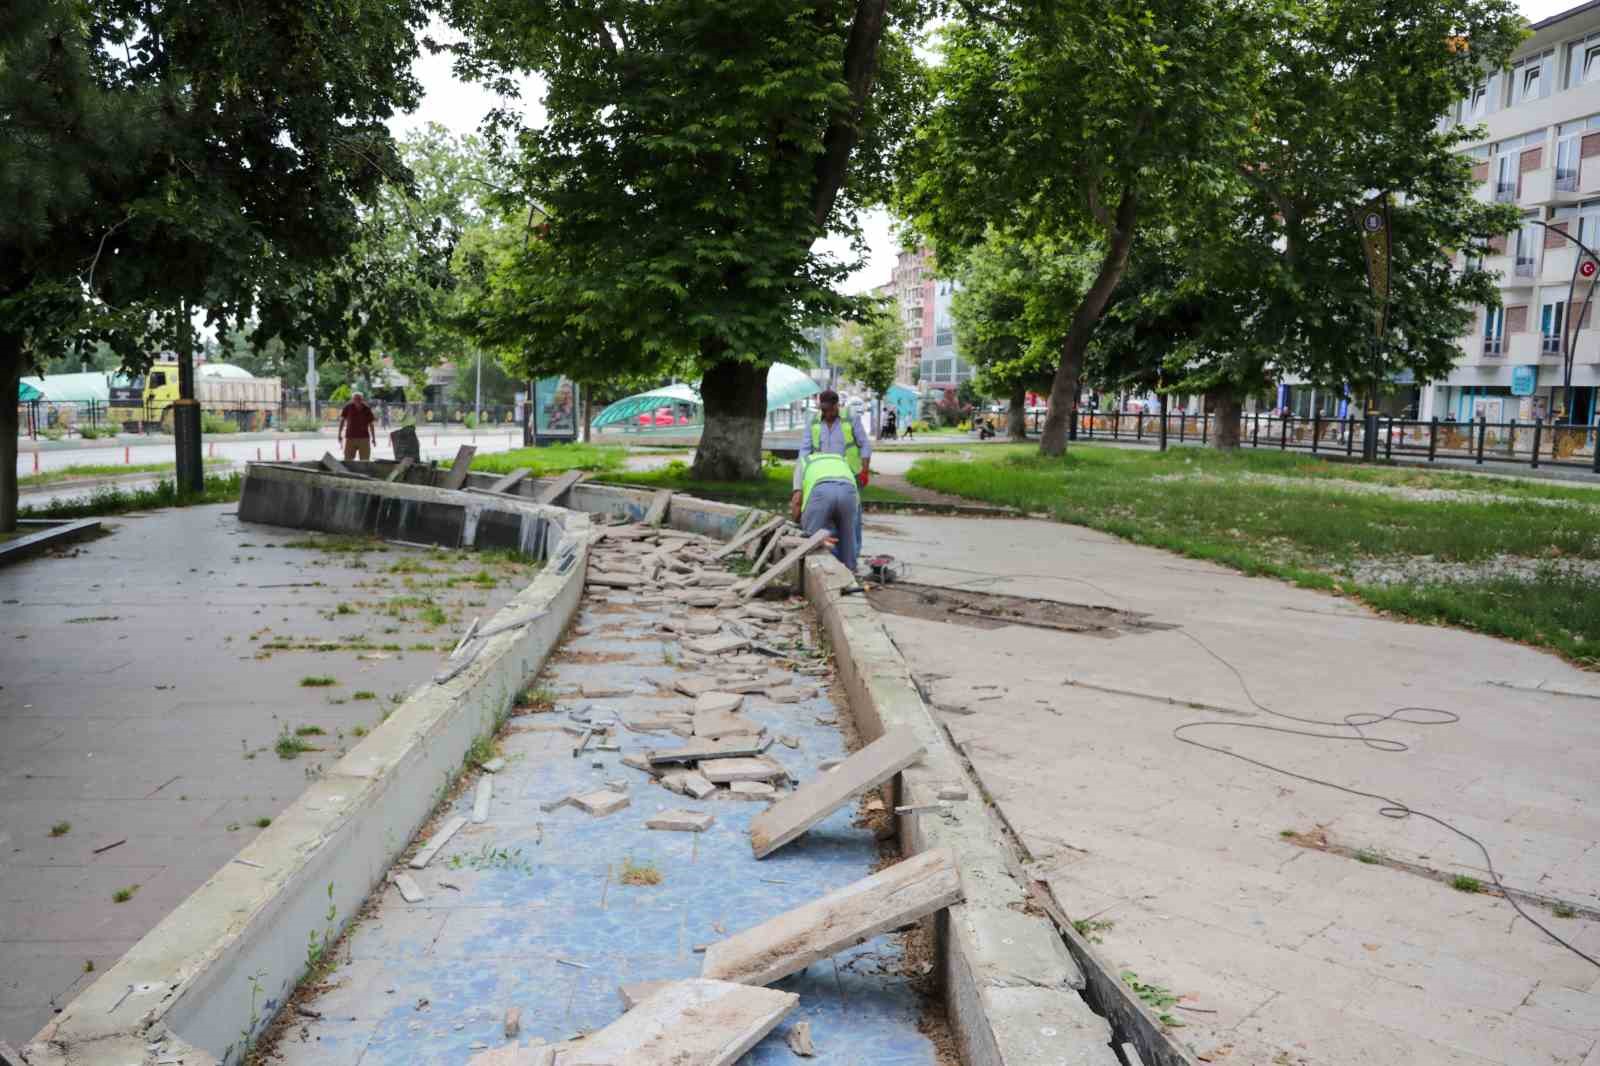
861	479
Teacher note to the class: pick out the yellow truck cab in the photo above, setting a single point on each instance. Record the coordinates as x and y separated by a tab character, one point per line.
223	390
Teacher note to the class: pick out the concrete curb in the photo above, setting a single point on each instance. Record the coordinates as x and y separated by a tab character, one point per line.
1011	987
205	981
51	533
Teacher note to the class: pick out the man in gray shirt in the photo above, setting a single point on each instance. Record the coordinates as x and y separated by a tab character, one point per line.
838	436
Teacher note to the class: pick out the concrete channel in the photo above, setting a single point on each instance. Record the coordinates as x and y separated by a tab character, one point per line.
328	941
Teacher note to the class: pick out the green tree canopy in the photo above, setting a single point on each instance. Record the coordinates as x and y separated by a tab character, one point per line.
868	352
692	154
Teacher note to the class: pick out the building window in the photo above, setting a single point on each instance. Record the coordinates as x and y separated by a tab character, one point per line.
1550	316
1527	249
1567	158
1528	85
1494	325
1531	78
1583	61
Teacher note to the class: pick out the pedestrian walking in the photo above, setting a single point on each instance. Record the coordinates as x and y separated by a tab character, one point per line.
355	428
832	435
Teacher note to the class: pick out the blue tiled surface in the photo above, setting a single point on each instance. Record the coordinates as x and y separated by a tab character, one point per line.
488	938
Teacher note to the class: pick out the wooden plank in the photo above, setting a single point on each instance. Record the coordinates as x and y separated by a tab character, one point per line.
558	488
330	463
815	800
711	749
456	476
410	891
785	563
399	471
738	542
689	1023
439	840
745	523
766	552
793	940
658	508
508	482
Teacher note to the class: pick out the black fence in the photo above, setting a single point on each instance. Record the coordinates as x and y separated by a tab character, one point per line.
53	418
1534	444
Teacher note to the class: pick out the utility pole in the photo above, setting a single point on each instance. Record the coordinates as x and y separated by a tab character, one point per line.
311	380
477	400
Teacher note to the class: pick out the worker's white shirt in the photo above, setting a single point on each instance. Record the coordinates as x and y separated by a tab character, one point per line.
831	439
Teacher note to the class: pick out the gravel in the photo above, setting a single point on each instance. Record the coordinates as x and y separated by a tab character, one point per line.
1427	570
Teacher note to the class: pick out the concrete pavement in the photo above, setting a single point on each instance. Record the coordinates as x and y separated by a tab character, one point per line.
145	680
1303	949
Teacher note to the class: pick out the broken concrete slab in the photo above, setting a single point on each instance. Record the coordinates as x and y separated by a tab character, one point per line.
456	476
815	800
716	724
507	483
695	686
512	1026
805	548
410	891
790	693
480	801
752	790
723	771
715	579
400	468
437	841
789	943
636	993
704	751
658	508
558	488
613	580
602	802
799	1040
680	821
702	627
718	645
595	690
764	612
697	786
715	702
332	464
494	765
689	1023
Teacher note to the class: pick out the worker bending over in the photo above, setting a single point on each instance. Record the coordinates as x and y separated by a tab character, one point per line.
844	437
826	499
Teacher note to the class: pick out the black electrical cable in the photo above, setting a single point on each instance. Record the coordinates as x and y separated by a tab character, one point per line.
1389	807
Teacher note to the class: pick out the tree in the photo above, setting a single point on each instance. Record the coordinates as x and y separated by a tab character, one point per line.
692	154
868	352
1012	312
159	157
1084	122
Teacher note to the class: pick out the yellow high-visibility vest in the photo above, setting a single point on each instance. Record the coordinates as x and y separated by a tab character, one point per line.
823	466
852	450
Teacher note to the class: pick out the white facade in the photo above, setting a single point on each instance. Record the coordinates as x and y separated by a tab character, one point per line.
1542	153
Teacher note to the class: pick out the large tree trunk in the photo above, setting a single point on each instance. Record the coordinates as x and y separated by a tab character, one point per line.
10	373
735	398
1227	410
1017	417
1064	389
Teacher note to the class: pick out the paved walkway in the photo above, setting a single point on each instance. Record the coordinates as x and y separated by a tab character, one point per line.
145	678
1281	951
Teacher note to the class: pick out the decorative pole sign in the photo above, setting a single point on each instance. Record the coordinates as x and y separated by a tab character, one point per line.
1374	221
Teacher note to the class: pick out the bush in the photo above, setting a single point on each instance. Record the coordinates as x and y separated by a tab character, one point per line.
215	423
52	433
302	424
97	432
471	421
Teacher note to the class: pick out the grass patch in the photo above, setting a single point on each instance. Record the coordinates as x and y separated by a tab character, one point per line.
639	873
364	694
317	681
1155	997
108	500
358	731
1371	858
1209	505
339	544
289	745
1091	928
310	731
123	895
86	471
492	858
433	615
1463	883
771	492
556	459
539	698
262	823
1561	910
61	829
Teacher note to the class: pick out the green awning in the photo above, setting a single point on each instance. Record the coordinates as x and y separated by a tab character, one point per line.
785	385
27	393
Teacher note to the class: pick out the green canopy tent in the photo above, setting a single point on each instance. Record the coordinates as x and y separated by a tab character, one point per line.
785	385
27	393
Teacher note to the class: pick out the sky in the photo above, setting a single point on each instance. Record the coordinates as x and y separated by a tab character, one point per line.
460	106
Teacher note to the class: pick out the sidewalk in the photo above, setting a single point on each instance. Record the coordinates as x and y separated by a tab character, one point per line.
146	679
1303	948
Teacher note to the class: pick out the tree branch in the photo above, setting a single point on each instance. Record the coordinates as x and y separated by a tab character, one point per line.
860	68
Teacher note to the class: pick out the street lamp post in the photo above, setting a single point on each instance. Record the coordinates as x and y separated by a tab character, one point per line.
1574	323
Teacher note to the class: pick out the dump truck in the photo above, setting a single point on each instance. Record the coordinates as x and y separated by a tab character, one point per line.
231	392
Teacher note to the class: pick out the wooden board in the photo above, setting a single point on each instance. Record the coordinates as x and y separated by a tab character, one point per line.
399	471
816	799
330	463
437	841
688	1023
507	483
410	891
738	542
785	563
457	474
658	508
856	913
766	552
558	488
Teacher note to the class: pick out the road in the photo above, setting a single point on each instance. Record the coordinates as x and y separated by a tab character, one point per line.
436	444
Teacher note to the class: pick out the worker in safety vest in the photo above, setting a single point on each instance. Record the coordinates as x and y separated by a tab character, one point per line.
838	436
834	457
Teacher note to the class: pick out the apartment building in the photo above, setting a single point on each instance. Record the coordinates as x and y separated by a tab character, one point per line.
1542	153
924	306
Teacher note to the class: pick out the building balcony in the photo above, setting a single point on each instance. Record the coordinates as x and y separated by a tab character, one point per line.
1505	192
1558	263
1522	347
1493	347
1538	187
1524	266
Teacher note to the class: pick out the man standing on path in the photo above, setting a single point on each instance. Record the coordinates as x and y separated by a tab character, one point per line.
832	435
826	498
355	428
